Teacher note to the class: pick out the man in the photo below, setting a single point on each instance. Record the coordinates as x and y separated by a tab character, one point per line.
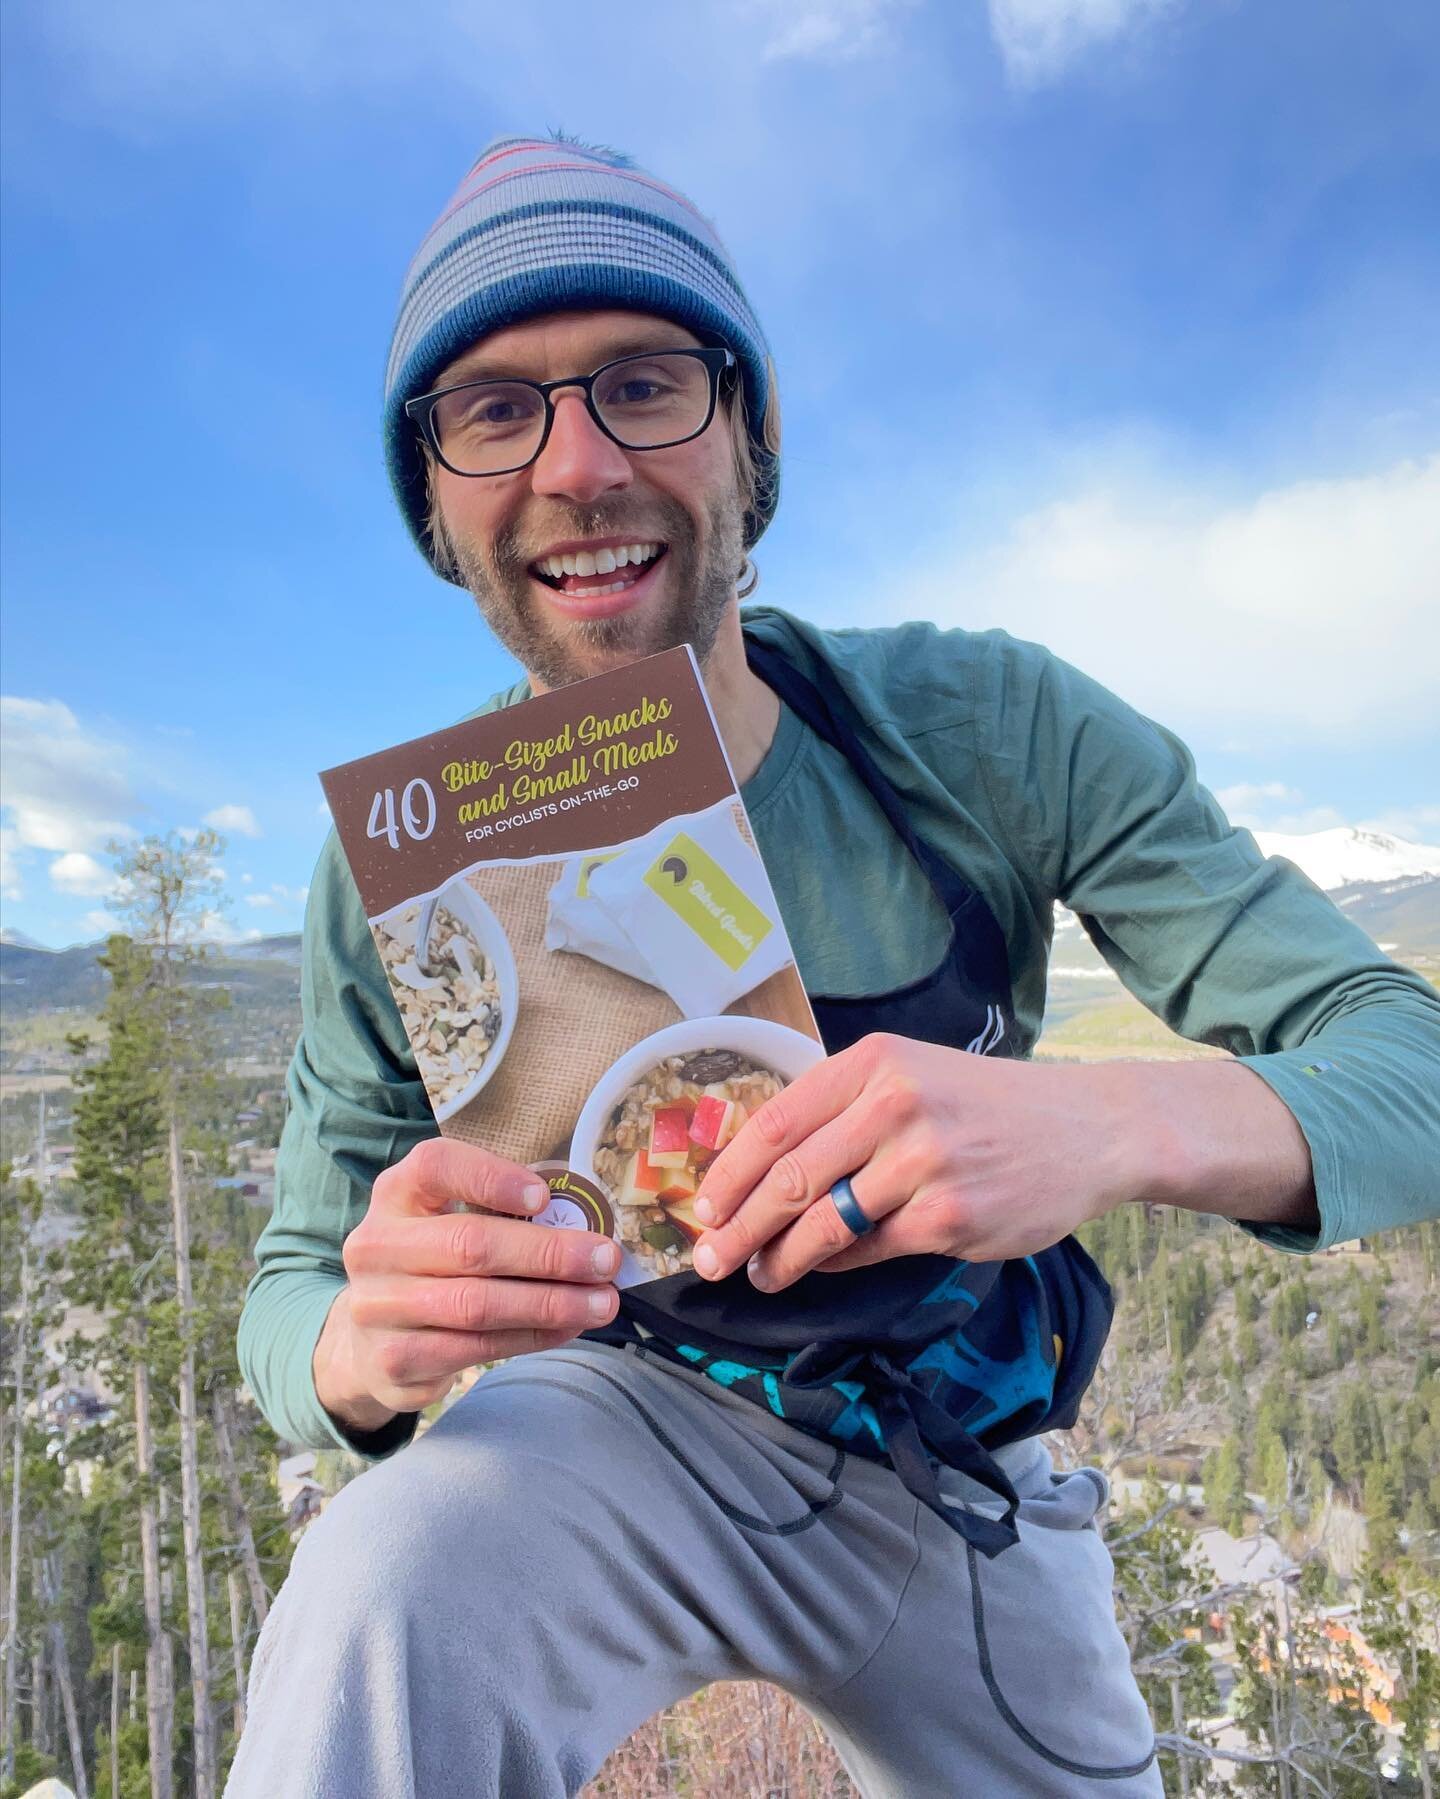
599	1528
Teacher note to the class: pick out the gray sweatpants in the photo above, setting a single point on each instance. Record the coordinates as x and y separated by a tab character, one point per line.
589	1535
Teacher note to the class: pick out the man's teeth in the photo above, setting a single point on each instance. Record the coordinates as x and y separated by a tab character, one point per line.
601	562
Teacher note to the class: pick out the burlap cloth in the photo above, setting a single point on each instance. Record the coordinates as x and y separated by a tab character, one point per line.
575	1018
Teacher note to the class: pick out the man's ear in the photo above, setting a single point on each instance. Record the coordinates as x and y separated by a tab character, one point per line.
442	551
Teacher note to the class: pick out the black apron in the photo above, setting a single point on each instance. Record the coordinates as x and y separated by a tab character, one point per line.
921	1359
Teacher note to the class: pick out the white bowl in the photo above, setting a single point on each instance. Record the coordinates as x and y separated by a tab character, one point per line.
461	898
775	1046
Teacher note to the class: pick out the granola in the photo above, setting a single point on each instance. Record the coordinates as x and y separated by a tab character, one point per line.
451	1009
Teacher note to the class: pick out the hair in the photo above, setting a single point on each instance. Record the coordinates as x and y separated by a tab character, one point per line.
756	489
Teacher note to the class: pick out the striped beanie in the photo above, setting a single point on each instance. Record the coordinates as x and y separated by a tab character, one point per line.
546	225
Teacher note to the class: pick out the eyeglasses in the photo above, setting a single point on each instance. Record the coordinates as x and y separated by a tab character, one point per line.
648	402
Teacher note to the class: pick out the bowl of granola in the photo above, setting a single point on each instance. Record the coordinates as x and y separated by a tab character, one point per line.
660	1115
458	993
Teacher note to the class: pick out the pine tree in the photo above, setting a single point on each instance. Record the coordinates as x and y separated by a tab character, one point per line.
116	1269
1401	1616
1356	1438
23	1304
1224	1480
1160	1596
171	887
1336	1341
1371	1319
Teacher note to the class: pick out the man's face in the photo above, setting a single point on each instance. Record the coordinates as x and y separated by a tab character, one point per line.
585	493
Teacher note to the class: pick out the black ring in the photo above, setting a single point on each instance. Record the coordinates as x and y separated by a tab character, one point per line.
846	1204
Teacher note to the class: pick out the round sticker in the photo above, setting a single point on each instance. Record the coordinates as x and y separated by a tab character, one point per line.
576	1204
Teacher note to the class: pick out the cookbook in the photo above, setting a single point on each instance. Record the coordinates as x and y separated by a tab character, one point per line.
583	944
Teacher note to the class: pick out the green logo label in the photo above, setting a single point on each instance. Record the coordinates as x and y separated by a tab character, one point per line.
587	868
700	893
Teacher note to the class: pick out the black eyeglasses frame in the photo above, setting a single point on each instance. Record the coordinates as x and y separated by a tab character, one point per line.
421	410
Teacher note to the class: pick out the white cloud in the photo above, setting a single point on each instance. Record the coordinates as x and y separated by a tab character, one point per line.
11	885
1272	806
1038	39
1303	823
75	872
215	927
238	820
1247	796
832	30
1307	613
279	895
99	923
65	788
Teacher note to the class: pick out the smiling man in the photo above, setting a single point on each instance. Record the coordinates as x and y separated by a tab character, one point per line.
816	1460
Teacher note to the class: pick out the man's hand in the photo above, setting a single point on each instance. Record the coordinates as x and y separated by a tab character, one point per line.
956	1154
435	1289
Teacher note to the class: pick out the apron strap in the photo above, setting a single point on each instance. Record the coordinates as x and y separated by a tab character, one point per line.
827	714
823	706
901	1407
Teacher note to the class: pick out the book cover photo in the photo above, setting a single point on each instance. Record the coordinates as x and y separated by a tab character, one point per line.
583	943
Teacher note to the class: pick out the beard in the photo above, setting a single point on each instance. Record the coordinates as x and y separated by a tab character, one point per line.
557	652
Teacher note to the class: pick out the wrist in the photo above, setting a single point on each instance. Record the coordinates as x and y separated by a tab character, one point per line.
354	1409
1145	1155
1211	1136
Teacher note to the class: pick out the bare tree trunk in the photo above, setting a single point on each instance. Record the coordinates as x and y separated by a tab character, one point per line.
12	1631
39	1697
204	1735
1282	1773
232	1582
115	1721
1422	1748
134	1684
167	1567
159	1700
259	1594
67	1694
1177	1718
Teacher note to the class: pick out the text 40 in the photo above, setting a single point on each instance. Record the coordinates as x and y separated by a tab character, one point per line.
382	813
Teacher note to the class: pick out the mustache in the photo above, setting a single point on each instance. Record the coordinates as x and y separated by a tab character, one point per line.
514	549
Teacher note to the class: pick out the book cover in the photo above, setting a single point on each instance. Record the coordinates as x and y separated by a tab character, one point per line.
583	943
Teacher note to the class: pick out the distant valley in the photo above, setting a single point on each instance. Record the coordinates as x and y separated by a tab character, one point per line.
1390	888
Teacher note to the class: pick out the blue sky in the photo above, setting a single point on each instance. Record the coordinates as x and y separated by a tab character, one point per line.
1110	321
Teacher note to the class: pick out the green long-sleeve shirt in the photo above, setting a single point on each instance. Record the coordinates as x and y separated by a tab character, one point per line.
1038	785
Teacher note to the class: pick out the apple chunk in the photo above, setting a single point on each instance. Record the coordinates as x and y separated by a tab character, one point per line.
682	1213
679	1183
714	1122
669	1138
642	1182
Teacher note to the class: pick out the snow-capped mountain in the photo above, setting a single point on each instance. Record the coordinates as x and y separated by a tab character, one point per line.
1389	885
1345	855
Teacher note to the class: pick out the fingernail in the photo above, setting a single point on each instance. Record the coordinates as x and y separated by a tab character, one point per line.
758	1277
707	1262
705	1212
533	1195
599	1304
606	1259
